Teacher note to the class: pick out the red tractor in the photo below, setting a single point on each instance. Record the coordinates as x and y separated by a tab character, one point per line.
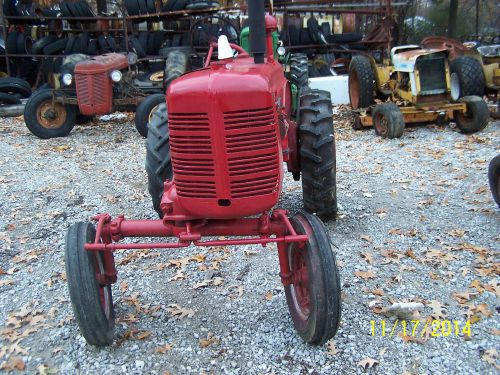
215	168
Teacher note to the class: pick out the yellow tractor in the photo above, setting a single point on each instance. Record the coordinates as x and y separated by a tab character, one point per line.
413	86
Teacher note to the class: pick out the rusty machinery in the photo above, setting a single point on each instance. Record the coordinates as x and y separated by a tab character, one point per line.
412	86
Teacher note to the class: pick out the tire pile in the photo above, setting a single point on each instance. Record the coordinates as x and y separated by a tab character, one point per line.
318	34
12	90
144	7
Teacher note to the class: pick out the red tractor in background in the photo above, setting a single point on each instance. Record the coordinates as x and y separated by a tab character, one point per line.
215	168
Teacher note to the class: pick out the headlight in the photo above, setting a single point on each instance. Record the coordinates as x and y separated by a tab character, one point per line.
67	78
116	75
281	51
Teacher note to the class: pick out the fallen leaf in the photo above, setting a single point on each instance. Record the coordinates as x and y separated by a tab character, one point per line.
268	296
438	310
13	363
489	356
210	340
163	349
368	257
6	282
464	297
367	363
495	331
365	275
332	350
409	253
179	312
377	292
366	238
123	286
143	335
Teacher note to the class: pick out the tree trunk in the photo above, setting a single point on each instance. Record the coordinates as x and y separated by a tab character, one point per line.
452	18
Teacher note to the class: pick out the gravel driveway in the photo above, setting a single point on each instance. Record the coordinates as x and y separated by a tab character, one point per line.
417	224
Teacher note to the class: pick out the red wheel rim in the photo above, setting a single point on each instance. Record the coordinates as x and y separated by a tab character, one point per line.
354	89
300	282
104	289
381	123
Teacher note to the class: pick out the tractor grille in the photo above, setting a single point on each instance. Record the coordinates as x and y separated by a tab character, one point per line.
432	74
192	155
91	88
251	147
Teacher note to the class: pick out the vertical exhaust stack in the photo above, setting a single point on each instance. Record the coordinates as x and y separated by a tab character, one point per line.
256	22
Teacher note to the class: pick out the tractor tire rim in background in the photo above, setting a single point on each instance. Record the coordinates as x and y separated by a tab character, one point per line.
51	115
455	87
380	122
354	89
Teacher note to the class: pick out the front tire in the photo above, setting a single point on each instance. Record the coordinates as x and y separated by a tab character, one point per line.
388	120
145	110
92	301
361	82
476	116
313	298
158	162
318	154
494	178
46	118
468	77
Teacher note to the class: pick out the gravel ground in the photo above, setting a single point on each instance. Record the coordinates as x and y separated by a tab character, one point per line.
417	224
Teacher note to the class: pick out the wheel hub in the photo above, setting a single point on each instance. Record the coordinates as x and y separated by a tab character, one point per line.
51	115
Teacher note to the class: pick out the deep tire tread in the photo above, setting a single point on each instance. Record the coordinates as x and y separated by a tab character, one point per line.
317	152
158	161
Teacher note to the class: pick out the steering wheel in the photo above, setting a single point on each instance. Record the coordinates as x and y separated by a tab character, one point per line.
214	45
204	31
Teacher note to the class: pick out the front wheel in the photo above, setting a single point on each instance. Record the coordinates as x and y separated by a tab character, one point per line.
475	117
388	120
313	298
46	118
494	178
145	110
91	299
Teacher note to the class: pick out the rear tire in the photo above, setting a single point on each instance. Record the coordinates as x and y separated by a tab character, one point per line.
494	178
469	75
47	119
388	120
317	154
361	82
475	118
145	110
313	298
92	302
299	74
158	162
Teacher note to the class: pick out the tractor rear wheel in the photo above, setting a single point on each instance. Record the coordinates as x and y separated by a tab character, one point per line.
313	298
91	300
46	118
494	178
298	75
476	116
317	153
388	120
361	82
158	162
145	110
467	77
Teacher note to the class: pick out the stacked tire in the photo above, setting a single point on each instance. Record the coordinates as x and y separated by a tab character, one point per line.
12	90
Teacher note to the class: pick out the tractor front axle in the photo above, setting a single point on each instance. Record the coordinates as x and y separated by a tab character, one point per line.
268	228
